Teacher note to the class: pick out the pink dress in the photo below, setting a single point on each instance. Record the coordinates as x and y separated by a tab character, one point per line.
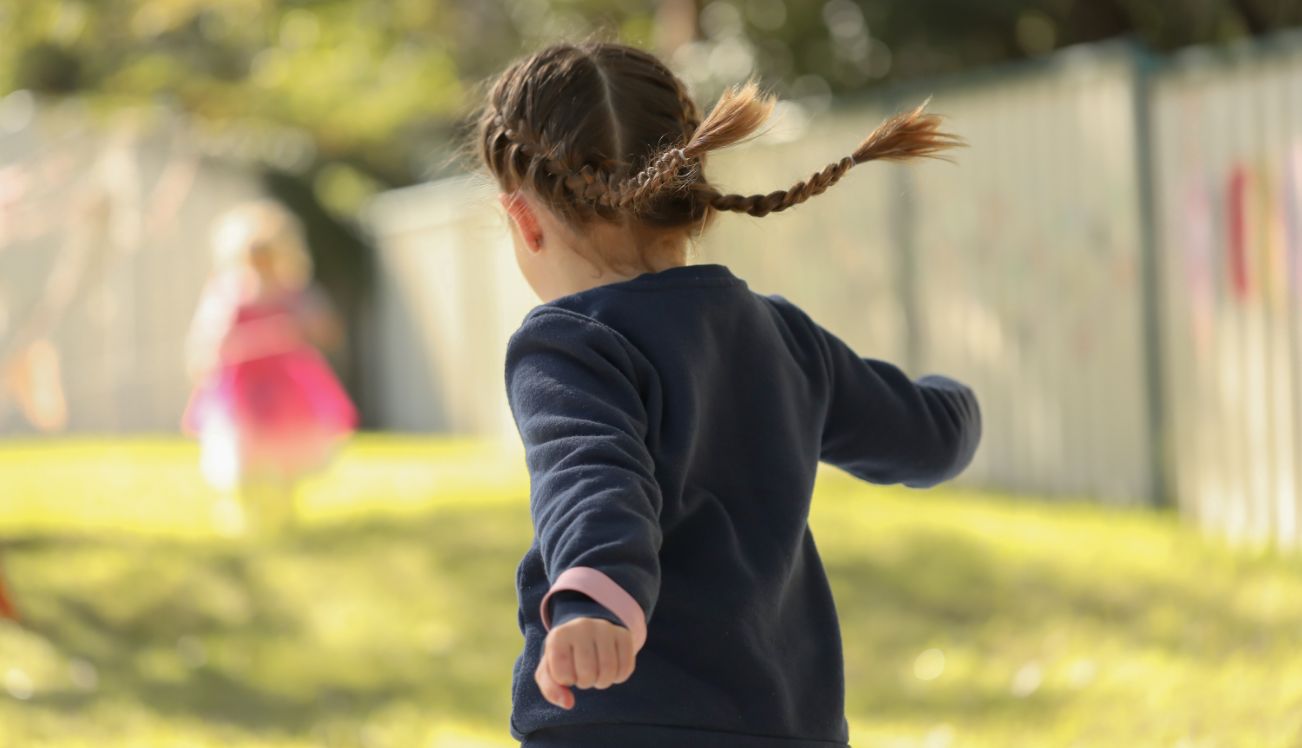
271	407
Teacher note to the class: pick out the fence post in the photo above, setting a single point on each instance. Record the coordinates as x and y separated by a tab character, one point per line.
902	236
1143	69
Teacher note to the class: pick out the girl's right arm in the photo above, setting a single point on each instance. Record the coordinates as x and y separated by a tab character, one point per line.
211	323
883	427
575	390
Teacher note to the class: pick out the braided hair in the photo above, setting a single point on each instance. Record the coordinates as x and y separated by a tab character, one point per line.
604	131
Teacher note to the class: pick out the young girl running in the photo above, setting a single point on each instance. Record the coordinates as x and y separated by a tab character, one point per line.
673	421
266	407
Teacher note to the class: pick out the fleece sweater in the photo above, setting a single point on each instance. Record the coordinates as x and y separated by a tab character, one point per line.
673	425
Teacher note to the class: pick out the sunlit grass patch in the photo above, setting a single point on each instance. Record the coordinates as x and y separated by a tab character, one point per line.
389	618
153	485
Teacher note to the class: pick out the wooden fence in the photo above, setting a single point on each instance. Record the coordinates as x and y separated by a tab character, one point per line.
1227	134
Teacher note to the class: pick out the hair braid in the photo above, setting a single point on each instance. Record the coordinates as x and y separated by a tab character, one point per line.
738	113
609	132
597	188
586	185
531	147
905	136
664	172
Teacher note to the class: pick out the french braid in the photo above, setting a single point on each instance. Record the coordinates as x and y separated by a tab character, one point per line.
606	131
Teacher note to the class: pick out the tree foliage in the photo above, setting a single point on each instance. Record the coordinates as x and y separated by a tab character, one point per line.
379	85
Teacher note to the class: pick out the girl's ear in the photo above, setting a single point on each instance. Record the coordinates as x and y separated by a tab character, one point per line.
526	220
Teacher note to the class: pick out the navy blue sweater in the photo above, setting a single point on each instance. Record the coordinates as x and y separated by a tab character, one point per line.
673	425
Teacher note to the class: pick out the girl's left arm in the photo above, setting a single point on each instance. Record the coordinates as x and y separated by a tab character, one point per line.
319	321
573	385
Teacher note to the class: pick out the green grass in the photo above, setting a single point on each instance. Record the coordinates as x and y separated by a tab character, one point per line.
389	619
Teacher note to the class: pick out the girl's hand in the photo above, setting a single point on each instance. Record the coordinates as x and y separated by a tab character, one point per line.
585	653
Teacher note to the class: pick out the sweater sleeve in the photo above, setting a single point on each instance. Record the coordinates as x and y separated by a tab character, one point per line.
568	605
883	427
573	389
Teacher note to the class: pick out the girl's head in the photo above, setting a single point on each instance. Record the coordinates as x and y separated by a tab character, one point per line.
264	238
602	143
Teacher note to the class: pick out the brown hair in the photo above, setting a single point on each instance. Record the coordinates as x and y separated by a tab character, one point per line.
605	131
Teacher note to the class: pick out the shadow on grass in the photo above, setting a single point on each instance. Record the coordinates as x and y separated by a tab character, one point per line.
344	622
942	589
329	624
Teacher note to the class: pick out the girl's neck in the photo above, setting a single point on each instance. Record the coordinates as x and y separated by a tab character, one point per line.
615	257
600	275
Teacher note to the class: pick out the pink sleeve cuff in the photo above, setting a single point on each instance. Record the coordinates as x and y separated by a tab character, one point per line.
603	590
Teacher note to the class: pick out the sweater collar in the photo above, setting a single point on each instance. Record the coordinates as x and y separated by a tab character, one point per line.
707	274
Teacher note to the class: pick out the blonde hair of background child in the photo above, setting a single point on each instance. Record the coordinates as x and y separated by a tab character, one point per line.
263	226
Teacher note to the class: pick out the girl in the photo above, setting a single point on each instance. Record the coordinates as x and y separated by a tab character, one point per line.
267	409
673	421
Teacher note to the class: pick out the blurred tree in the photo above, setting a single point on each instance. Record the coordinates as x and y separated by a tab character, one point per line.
341	98
378	85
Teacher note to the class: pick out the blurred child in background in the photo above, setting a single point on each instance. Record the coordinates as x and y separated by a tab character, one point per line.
266	407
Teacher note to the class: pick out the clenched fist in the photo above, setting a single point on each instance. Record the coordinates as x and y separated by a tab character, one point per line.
585	653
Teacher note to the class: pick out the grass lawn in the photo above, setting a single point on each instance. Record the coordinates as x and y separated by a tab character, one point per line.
389	619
